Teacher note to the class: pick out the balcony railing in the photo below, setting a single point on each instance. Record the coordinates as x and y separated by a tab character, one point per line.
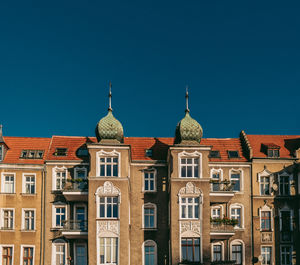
75	225
217	186
218	227
76	185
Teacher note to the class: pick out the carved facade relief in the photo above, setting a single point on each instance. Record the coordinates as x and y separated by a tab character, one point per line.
266	237
104	227
189	189
192	227
108	189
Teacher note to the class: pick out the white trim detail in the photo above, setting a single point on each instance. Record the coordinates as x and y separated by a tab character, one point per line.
58	242
3	174
1	252
238	170
150	170
149	205
21	254
54	171
195	154
266	208
238	242
24	175
238	206
13	219
23	219
220	243
54	206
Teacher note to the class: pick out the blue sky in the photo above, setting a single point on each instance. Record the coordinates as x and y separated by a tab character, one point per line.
241	60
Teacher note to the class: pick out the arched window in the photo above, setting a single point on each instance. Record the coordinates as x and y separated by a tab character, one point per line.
216	176
237	252
59	177
149	253
59	252
217	251
237	212
236	179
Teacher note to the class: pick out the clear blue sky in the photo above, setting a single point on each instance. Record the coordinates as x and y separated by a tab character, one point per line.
241	60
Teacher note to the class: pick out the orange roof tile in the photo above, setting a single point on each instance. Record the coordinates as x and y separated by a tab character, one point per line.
287	143
17	144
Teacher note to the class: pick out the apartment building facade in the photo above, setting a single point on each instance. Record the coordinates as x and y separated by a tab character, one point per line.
111	199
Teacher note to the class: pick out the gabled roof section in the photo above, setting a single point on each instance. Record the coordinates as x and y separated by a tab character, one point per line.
287	144
17	144
71	143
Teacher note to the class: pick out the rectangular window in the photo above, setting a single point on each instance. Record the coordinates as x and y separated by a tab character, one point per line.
109	207
286	255
265	185
266	253
60	254
284	185
216	213
108	250
8	183
273	152
233	154
109	166
7	255
150	255
7	219
190	249
61	152
265	220
29	184
60	179
60	216
29	219
235	179
217	253
149	217
215	180
237	254
236	214
189	167
189	207
286	226
149	181
27	256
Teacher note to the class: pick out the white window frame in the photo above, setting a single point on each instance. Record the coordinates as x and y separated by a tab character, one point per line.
193	204
236	242
291	254
192	237
149	171
261	175
284	174
54	206
77	169
3	175
22	250
238	206
220	207
2	219
55	170
105	247
1	152
149	205
266	208
106	206
220	243
23	219
59	242
187	155
149	243
1	252
112	154
241	172
24	175
263	253
220	172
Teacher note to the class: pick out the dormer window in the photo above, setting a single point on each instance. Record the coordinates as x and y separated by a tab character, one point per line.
233	154
273	152
149	152
214	154
32	154
270	149
61	152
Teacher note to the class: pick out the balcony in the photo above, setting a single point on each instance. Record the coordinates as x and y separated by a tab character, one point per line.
76	190
221	191
220	230
75	229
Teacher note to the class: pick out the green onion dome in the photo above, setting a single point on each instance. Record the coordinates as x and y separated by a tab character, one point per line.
110	128
188	129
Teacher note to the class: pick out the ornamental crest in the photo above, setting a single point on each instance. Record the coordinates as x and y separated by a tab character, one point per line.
108	226
190	227
107	189
190	188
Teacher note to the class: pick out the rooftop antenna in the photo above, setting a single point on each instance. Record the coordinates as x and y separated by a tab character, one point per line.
187	98
109	97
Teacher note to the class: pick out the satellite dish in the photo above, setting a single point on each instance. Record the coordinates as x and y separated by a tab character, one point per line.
260	258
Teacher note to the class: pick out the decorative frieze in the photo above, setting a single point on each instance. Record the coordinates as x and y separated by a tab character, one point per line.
190	226
266	237
108	226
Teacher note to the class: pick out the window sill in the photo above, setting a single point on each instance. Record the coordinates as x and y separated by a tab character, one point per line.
149	191
56	191
28	194
7	230
239	228
149	229
8	193
107	219
53	229
189	219
25	230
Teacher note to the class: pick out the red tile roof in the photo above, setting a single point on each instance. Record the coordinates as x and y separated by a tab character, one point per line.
72	143
287	143
17	144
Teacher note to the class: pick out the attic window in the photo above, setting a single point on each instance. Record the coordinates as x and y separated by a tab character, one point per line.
149	152
82	152
60	152
273	152
233	154
32	154
214	154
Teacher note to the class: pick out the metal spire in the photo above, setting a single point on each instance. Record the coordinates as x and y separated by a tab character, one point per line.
109	97
187	99
1	135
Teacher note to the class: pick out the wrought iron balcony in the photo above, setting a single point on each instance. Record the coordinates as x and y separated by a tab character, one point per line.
75	228
220	191
76	190
219	230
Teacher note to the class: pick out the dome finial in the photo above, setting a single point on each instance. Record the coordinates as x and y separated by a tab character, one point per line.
109	97
187	98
